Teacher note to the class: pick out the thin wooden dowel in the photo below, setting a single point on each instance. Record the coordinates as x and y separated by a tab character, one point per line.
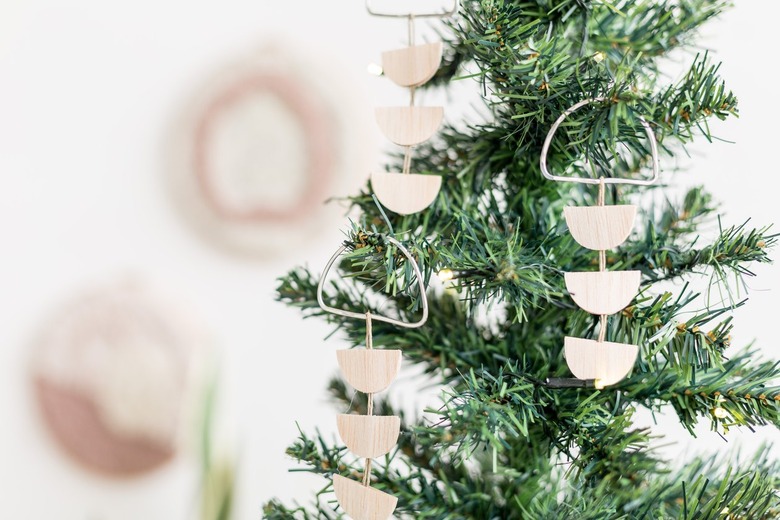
602	328
602	191
407	160
369	331
602	264
367	473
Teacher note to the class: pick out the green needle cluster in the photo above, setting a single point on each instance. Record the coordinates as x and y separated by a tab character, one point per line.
503	443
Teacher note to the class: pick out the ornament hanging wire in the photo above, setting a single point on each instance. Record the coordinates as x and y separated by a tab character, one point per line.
376	317
442	14
609	180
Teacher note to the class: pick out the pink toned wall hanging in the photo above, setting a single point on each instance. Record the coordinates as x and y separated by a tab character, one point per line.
263	145
113	374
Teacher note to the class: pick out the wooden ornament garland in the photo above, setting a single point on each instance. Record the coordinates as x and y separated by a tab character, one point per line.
369	371
410	67
602	293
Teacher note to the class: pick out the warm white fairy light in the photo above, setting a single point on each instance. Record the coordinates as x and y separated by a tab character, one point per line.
719	412
375	69
445	275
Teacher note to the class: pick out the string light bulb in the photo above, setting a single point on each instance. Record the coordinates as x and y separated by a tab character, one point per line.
374	69
445	275
719	412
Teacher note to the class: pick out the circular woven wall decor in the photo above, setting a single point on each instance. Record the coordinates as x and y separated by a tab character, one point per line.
113	374
264	144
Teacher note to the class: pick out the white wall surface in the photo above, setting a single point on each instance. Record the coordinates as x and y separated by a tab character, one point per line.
87	92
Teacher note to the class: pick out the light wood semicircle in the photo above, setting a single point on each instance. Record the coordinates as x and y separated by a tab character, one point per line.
409	126
603	293
369	370
600	227
369	436
361	502
606	362
405	194
412	66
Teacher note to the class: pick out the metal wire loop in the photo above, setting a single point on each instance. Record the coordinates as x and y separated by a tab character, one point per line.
376	317
587	180
443	14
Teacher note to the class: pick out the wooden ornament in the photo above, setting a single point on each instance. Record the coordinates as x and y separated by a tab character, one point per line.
369	436
606	362
412	66
603	293
409	126
600	227
367	370
405	194
362	502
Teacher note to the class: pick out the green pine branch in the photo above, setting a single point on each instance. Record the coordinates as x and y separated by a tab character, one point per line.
504	442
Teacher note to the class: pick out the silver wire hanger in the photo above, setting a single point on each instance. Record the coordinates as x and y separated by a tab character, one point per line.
442	14
608	180
365	315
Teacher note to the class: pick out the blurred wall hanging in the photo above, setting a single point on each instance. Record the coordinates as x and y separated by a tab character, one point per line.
114	376
263	144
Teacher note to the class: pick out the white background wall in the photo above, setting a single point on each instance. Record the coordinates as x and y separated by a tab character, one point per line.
87	91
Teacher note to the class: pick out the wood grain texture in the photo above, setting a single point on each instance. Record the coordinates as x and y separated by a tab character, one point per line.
600	227
603	293
369	436
369	371
405	194
412	66
606	362
361	502
408	126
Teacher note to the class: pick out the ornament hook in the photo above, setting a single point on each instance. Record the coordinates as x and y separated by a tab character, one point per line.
442	14
376	317
586	180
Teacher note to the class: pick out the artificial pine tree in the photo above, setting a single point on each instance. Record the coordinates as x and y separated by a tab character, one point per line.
507	442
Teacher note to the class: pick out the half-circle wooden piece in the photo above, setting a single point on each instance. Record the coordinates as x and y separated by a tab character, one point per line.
369	370
606	362
412	66
408	126
600	227
603	293
405	194
369	436
362	502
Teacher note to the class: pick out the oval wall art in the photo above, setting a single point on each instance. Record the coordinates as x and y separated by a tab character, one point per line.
262	147
114	374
